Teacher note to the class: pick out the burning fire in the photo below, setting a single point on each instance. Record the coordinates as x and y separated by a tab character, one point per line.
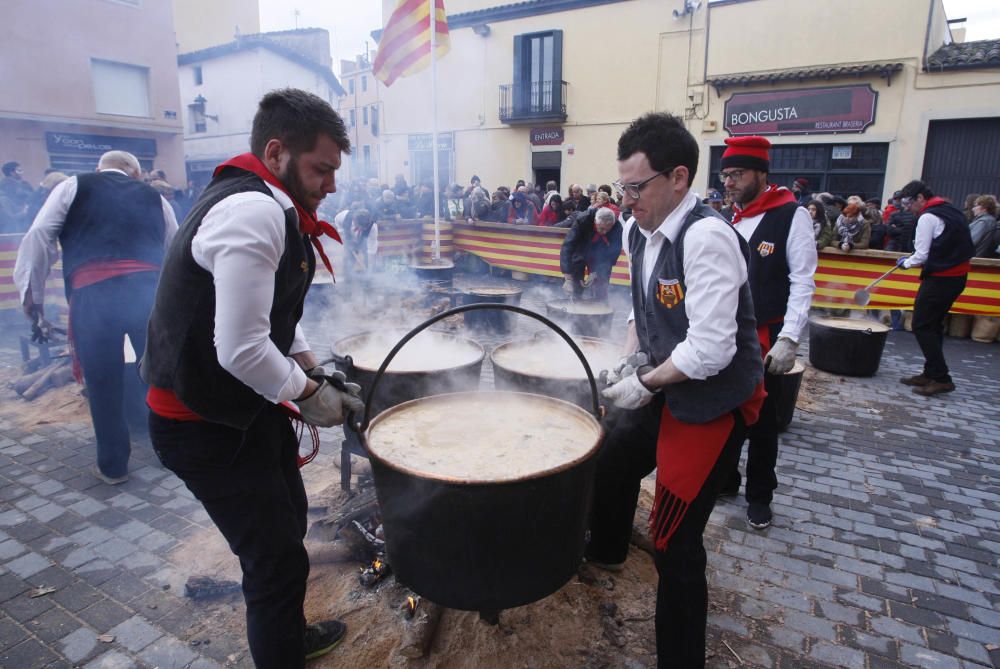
374	572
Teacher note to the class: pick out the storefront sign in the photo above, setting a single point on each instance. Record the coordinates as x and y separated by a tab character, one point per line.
803	111
551	136
72	143
842	152
422	142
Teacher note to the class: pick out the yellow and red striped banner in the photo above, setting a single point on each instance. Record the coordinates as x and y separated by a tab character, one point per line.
55	296
405	47
399	238
840	274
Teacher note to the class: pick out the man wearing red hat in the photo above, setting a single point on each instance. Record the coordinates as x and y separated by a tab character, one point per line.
782	265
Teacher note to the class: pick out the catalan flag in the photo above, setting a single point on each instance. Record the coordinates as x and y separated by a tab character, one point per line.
405	47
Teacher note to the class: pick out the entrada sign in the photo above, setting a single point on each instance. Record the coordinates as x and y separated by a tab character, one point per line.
547	136
802	111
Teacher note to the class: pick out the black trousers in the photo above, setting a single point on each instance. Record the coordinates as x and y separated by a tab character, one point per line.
628	455
101	315
250	485
934	298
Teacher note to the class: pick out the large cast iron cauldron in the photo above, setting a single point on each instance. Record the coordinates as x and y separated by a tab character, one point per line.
481	545
435	275
442	363
545	365
849	346
584	317
490	320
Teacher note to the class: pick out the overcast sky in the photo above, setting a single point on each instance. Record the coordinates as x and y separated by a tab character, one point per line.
351	22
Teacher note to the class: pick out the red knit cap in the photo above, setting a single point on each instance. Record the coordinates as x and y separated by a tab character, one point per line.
747	152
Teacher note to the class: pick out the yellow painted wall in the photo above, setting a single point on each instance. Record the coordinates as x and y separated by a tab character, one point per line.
200	24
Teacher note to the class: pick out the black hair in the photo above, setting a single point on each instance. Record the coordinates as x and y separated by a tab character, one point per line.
8	168
874	200
664	140
556	201
820	208
915	188
296	118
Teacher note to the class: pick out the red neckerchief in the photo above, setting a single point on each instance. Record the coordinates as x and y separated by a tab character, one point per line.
933	202
603	238
309	224
772	197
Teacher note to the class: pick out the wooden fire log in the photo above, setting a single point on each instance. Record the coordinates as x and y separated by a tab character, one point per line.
418	633
53	376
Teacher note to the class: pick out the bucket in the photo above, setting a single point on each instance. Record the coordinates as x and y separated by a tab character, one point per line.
489	320
786	388
848	346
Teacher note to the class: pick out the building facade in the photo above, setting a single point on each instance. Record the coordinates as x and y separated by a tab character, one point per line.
108	82
221	86
201	24
542	90
360	110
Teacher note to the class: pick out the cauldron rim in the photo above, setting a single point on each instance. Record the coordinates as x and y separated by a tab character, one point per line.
831	322
443	264
338	348
492	291
515	342
560	306
563	404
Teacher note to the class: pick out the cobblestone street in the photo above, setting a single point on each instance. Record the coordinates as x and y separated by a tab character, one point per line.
883	553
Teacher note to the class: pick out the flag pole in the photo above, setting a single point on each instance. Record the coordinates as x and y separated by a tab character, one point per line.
436	248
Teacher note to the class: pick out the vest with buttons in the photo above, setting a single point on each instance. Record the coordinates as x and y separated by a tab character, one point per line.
953	246
768	267
180	348
661	323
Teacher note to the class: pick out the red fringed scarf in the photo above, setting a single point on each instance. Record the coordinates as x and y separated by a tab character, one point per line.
773	196
309	223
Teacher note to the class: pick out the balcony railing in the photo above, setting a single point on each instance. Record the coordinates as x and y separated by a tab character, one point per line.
528	103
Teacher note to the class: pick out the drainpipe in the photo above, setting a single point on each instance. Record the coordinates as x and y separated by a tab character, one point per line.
927	35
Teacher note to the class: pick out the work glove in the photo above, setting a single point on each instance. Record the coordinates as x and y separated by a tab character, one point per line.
625	367
781	357
333	401
568	285
630	392
901	262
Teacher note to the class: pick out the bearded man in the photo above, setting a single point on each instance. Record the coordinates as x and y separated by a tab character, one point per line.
225	351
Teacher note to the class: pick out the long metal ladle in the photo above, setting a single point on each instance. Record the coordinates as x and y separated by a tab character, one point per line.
862	296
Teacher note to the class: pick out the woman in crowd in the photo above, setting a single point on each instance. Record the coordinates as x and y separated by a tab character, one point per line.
853	230
521	210
985	233
552	212
822	231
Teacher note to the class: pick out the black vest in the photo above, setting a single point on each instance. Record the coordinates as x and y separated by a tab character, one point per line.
768	272
180	349
954	245
113	217
661	323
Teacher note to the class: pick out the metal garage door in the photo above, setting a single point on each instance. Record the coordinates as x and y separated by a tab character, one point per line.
963	157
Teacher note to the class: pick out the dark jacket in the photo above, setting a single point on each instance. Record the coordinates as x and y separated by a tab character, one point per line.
901	227
581	250
984	231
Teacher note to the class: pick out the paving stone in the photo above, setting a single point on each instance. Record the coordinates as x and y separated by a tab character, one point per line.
11	633
77	596
28	653
893	628
918	656
28	564
104	614
11	548
839	656
52	625
167	653
135	633
112	660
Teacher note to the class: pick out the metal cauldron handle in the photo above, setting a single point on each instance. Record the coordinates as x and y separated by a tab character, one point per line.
345	360
598	409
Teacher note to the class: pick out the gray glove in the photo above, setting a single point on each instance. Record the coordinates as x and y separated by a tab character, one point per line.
625	367
781	357
568	285
629	393
333	401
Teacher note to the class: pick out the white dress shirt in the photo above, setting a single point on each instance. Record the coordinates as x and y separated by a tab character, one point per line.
714	271
929	228
39	251
240	242
802	260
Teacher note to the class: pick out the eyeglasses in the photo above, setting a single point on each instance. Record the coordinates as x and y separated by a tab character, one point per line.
735	175
633	190
905	201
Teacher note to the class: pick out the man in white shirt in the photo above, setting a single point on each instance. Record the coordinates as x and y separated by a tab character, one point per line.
782	265
225	350
685	413
943	251
113	230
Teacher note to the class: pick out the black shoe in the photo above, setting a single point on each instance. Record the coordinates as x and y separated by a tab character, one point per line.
322	637
934	388
759	515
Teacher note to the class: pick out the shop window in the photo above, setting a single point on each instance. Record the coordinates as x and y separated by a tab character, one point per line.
801	158
198	80
374	120
354	117
537	87
364	116
350	86
364	83
120	88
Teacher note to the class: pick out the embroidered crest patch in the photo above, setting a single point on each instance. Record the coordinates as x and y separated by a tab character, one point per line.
765	249
669	292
